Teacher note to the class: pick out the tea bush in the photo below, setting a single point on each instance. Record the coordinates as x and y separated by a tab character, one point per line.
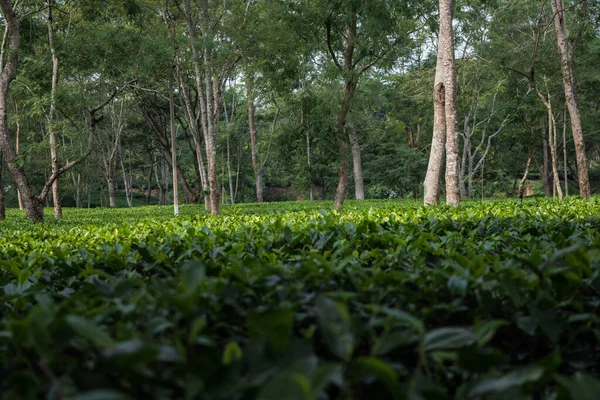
384	300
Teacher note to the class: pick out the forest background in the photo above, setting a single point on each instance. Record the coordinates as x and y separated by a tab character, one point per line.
271	100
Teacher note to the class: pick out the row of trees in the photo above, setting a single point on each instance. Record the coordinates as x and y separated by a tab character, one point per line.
232	99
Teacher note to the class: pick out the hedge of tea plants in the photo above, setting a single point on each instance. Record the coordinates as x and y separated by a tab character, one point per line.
385	300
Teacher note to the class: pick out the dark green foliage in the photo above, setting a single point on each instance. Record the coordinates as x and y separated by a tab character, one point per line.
385	300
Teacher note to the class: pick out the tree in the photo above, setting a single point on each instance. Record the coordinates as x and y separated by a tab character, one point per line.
445	116
256	163
558	9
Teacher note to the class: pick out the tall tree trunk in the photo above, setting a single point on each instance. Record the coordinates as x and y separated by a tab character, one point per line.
173	142
546	176
51	114
149	182
452	157
2	194
194	121
17	143
564	145
256	165
311	188
359	188
552	140
350	86
229	174
209	84
463	164
112	193
431	185
127	180
570	96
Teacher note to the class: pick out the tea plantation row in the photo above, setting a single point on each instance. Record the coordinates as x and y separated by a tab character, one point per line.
287	301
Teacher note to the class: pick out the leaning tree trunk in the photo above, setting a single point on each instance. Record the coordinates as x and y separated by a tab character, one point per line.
431	185
524	179
359	186
571	97
253	140
33	204
452	150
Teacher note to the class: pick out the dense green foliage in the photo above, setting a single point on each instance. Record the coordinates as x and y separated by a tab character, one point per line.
384	300
283	48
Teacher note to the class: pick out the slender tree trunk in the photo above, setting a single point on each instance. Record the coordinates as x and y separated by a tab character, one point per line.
546	177
112	193
126	181
431	185
89	194
524	179
340	122
229	174
51	114
552	140
564	137
210	103
570	96
2	194
359	188
463	164
194	121
76	178
311	188
452	157
173	142
149	182
254	139
17	143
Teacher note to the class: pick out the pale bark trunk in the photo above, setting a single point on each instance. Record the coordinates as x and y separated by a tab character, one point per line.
311	189
149	182
173	143
524	179
212	109
431	185
17	143
552	140
452	151
112	193
571	97
127	182
209	97
76	178
229	174
256	165
51	114
359	189
194	118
